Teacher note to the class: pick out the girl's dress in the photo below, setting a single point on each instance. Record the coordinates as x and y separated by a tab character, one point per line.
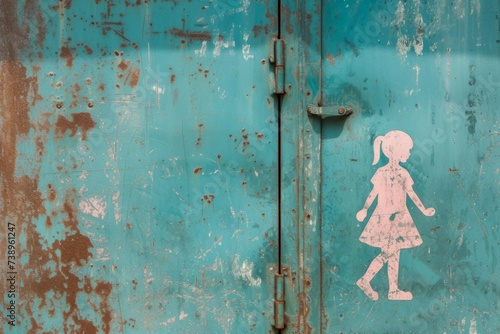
391	224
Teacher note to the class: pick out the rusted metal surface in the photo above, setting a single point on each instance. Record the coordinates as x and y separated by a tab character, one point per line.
300	162
139	166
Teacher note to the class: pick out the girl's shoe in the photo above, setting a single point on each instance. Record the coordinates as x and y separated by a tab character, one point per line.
367	289
400	295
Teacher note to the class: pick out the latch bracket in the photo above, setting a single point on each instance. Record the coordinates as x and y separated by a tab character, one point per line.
329	111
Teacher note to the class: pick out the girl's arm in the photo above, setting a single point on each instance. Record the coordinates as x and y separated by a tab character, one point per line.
418	203
361	215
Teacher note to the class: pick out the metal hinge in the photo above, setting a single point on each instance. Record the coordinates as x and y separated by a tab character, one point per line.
279	301
278	59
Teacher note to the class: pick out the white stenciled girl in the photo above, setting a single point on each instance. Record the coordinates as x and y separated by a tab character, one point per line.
390	227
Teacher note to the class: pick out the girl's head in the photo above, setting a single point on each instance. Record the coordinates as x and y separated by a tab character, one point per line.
396	145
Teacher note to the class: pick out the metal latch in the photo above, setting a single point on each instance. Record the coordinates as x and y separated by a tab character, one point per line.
278	59
329	111
279	301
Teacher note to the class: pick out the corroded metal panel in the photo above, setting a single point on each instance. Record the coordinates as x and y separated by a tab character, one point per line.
138	166
429	233
300	165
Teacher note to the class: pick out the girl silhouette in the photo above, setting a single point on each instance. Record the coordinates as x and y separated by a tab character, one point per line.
390	227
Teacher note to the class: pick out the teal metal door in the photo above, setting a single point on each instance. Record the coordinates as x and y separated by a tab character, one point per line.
139	168
394	228
242	166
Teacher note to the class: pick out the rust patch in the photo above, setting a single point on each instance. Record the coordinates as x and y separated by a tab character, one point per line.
208	198
192	35
66	53
13	38
245	141
15	89
48	222
172	78
74	249
39	280
88	50
74	95
304	310
82	120
124	64
52	193
134	80
103	290
200	131
197	170
257	30
101	87
69	253
66	3
131	72
23	204
330	58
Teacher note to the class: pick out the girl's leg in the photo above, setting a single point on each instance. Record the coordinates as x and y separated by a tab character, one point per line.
373	269
393	273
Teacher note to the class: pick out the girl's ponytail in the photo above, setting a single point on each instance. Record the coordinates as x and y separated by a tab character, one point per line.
376	149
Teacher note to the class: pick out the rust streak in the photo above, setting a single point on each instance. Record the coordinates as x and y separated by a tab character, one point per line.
192	35
134	80
74	95
66	53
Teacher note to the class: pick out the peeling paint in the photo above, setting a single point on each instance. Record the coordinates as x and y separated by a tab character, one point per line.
244	271
95	206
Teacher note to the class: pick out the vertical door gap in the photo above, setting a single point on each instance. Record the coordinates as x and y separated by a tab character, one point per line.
279	102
